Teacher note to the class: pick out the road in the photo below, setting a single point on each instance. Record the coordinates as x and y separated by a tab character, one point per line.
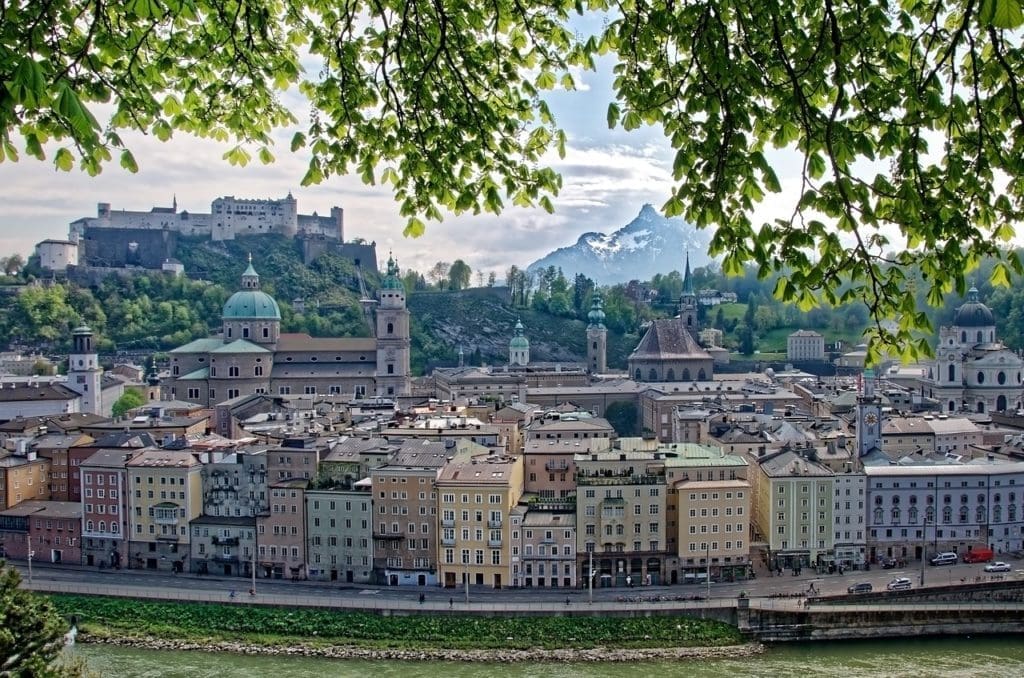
763	586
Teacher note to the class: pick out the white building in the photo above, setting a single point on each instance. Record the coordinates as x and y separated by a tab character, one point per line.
805	345
921	510
57	255
848	510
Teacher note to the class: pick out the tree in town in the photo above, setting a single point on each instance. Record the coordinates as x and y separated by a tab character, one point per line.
128	401
459	275
31	632
906	120
624	418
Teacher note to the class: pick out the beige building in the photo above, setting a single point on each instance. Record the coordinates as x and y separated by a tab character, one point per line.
166	492
709	503
405	513
620	516
544	546
476	498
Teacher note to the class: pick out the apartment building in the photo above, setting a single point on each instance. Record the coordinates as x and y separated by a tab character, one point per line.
48	531
793	514
23	478
405	512
849	515
708	505
544	544
621	507
103	485
166	493
55	447
339	532
476	498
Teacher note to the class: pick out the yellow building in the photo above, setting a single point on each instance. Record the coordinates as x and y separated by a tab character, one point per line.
23	479
476	495
165	494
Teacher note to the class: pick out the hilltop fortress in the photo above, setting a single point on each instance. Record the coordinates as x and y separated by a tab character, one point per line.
148	239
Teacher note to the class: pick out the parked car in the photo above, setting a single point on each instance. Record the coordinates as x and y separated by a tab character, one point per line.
997	566
887	563
899	584
859	587
948	558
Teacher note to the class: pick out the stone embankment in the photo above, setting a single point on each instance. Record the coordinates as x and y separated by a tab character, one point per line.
537	655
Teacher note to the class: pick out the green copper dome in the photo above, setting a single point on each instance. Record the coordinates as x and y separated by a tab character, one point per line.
596	315
519	341
250	303
391	280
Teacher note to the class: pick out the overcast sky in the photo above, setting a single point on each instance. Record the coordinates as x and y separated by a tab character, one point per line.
608	176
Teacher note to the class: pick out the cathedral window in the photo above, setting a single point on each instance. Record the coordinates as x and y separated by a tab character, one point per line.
391	328
1001	378
981	377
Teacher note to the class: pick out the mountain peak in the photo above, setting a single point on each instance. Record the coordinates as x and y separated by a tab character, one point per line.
647	245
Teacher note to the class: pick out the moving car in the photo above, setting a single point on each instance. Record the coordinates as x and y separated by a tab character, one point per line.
859	587
997	567
899	584
948	558
887	563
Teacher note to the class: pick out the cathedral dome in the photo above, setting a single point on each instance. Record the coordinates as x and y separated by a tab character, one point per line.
973	313
251	305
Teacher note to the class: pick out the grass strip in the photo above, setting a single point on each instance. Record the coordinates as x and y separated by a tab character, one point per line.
282	626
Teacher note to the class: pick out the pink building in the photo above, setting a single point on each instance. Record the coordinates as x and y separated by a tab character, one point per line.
48	530
104	493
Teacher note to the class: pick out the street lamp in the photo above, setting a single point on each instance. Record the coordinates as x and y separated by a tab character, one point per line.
707	574
31	553
924	540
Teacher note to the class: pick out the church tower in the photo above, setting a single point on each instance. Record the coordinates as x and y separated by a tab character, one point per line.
688	302
869	417
519	347
392	336
597	338
84	371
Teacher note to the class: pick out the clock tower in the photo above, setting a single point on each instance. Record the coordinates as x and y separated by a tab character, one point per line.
869	417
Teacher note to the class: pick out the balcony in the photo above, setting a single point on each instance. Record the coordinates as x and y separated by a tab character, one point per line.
494	543
448	541
557	466
494	524
389	536
621	479
220	558
225	541
448	523
165	520
170	538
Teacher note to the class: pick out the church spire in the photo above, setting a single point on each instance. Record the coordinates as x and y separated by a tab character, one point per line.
687	278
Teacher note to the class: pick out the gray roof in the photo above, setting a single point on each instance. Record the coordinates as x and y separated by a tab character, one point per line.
792	464
667	339
199	346
19	393
239	346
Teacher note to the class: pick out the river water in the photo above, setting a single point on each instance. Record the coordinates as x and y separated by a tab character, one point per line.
914	658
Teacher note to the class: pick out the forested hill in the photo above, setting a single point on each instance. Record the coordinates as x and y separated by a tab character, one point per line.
481	321
157	311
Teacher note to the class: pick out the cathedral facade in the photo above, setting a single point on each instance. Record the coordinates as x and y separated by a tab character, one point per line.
973	372
252	355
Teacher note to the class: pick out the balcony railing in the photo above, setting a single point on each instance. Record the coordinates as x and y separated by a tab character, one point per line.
225	541
556	466
167	537
494	524
494	543
624	479
392	536
448	541
166	520
448	523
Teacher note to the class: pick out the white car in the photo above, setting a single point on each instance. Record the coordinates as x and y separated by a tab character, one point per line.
997	567
899	584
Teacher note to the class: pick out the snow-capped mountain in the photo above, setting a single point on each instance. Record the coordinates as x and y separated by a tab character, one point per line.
647	245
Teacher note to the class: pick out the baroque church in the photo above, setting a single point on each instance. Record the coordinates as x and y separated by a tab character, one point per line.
668	350
973	372
252	355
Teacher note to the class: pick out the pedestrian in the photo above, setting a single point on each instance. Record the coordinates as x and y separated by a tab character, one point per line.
451	602
232	594
567	600
422	598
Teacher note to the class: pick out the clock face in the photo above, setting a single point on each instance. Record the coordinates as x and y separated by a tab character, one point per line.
870	418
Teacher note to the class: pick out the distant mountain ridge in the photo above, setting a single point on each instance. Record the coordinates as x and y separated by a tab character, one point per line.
647	245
